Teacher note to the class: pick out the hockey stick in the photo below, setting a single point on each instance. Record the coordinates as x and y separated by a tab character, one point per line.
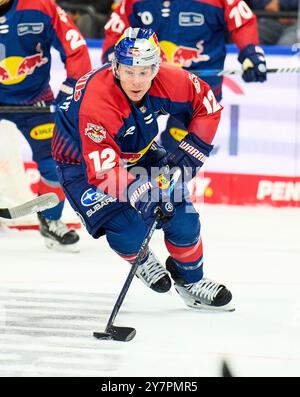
125	334
226	373
27	109
228	72
38	204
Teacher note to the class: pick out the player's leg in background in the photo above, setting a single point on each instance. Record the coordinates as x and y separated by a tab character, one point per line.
185	263
125	233
38	131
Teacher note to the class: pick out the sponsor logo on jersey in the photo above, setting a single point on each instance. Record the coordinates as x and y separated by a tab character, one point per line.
95	132
91	197
160	111
81	83
129	131
30	28
191	19
43	131
100	205
178	133
195	81
14	69
134	157
182	56
131	157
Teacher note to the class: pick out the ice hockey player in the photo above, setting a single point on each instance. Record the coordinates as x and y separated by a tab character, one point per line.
104	145
28	30
192	35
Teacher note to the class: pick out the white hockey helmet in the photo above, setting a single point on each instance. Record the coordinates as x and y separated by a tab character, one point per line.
137	47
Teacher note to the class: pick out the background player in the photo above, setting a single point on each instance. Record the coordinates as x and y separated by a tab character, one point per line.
28	31
192	35
103	158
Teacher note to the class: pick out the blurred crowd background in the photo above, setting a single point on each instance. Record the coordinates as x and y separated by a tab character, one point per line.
277	19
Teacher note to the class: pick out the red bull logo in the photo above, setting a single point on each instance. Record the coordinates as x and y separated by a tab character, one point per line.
135	52
15	69
4	75
95	132
182	56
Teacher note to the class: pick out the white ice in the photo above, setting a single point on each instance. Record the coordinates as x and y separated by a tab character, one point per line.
52	302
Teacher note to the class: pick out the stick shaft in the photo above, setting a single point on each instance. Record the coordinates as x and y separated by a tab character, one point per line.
228	72
130	276
27	109
138	259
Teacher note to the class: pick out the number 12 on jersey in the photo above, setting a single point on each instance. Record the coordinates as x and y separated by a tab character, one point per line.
103	160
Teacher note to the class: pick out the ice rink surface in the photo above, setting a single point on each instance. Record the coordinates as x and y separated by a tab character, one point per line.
52	302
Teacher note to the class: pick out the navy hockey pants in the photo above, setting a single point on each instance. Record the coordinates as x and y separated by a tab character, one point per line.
126	232
124	227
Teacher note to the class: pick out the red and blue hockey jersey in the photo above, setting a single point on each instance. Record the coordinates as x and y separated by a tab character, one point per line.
27	32
102	130
192	33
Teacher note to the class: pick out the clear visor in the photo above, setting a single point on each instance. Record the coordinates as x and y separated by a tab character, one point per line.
135	71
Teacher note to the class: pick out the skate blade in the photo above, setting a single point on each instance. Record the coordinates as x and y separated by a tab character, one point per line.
207	308
56	246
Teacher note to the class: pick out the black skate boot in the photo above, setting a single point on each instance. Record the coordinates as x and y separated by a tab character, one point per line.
154	275
57	235
204	294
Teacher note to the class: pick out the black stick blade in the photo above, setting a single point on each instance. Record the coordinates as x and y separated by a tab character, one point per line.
226	373
4	213
121	334
102	335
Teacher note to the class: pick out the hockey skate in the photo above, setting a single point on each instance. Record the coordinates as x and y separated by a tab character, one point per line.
57	235
153	274
204	294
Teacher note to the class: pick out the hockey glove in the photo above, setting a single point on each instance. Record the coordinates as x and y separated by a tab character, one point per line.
189	156
146	197
253	63
66	89
150	161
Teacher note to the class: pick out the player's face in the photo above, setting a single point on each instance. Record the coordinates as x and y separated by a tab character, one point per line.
135	81
2	2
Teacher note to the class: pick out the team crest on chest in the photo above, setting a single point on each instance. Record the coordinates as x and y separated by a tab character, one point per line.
95	132
143	109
